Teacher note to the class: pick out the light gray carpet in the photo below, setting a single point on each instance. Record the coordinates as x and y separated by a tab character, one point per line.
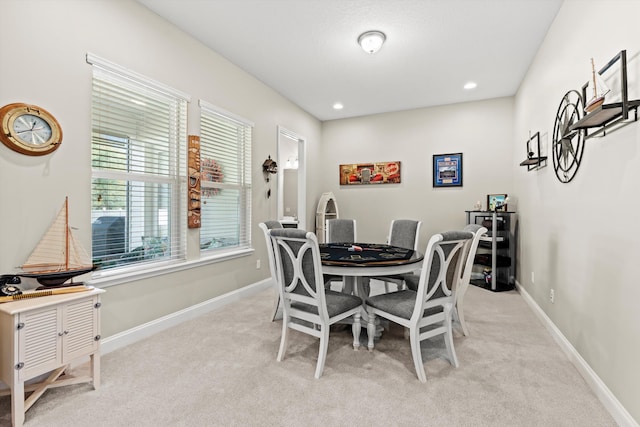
221	370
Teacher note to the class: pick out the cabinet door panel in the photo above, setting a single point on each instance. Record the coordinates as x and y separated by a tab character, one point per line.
80	326
39	343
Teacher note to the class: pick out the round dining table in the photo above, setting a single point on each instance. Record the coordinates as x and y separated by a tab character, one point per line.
353	261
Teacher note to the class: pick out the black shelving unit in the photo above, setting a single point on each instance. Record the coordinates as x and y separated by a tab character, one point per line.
496	250
613	115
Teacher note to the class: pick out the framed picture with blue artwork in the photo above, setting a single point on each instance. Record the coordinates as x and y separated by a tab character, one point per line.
497	202
447	170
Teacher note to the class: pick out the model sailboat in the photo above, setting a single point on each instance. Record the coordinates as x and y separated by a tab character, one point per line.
58	256
598	96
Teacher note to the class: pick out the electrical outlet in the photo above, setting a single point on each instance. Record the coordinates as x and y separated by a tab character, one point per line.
258	264
552	296
533	280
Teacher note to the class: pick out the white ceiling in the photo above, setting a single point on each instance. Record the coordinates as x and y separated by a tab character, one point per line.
307	49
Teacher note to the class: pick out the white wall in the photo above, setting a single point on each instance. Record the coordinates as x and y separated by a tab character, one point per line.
45	65
579	238
482	131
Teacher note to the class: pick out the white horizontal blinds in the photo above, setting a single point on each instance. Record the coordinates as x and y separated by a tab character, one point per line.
225	180
138	155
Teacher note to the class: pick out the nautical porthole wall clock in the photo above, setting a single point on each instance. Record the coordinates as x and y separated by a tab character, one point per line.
568	144
29	129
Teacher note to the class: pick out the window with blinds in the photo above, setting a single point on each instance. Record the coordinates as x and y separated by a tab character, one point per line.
225	180
138	157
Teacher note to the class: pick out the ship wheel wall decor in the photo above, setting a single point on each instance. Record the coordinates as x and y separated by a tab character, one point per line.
568	144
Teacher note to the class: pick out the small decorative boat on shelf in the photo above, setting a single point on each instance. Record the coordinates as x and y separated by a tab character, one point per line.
58	257
598	97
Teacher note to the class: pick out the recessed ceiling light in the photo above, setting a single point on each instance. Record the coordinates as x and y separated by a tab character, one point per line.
338	106
470	85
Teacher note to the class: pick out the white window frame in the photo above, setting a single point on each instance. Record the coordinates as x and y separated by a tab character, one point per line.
177	179
240	151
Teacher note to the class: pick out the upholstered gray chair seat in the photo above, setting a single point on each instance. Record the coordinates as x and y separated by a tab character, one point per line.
401	304
337	303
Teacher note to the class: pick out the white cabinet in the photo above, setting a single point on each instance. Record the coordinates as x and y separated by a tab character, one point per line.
44	335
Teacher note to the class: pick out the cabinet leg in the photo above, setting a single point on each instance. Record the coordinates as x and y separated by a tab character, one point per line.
95	369
17	403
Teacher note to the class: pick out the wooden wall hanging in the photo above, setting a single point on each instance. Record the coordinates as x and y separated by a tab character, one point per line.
193	214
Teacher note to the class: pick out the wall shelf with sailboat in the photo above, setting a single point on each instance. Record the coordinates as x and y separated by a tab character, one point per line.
607	116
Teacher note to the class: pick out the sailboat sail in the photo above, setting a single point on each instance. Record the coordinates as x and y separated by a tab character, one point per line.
58	256
597	88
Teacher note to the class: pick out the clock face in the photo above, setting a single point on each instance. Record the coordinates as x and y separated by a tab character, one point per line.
29	129
32	130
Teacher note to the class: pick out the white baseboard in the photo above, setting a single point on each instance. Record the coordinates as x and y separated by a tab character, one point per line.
138	333
615	408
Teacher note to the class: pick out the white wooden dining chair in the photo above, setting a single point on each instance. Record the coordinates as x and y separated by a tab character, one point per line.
428	311
458	287
307	306
265	227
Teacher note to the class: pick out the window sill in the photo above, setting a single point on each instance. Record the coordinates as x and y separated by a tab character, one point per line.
104	279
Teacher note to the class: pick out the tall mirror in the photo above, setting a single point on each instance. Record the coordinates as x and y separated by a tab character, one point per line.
291	179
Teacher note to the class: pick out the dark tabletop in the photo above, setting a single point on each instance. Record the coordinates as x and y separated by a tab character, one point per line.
371	254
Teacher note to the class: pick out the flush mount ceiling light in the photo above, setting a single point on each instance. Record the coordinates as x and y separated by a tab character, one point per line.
470	85
371	41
